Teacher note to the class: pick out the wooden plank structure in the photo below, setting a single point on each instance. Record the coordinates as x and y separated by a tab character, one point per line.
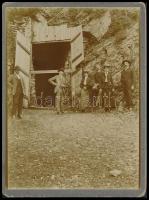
23	59
40	33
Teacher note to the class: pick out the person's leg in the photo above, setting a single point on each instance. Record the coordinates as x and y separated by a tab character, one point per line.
129	98
15	105
82	100
113	101
109	99
61	103
20	105
125	97
57	103
95	99
90	92
100	97
105	99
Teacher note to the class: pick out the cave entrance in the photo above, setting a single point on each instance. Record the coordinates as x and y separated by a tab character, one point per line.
47	58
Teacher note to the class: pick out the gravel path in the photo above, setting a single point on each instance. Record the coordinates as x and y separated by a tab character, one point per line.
73	150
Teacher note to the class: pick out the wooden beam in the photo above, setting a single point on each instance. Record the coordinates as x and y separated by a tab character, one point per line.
24	72
24	48
51	41
44	71
76	57
76	37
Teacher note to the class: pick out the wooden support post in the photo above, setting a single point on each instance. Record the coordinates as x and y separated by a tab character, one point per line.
44	71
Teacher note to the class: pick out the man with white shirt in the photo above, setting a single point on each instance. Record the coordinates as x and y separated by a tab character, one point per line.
18	93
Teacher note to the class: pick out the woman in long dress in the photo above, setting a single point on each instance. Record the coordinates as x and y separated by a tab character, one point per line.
85	86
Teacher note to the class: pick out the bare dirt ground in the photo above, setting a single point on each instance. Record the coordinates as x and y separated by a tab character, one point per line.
73	150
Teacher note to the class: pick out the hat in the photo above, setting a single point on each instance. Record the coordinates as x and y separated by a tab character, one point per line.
106	66
17	68
128	61
61	70
9	64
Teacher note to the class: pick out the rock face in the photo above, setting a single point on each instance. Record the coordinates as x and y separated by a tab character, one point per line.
99	26
110	36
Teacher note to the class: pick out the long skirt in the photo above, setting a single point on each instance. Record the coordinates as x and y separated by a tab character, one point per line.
84	101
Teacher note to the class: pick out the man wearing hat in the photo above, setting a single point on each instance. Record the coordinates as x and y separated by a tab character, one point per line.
127	80
107	88
18	93
60	83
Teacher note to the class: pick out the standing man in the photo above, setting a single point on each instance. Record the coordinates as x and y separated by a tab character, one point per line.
91	83
98	85
127	83
107	87
59	82
18	93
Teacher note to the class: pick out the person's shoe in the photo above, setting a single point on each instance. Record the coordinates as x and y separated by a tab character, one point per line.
13	117
126	109
19	117
92	109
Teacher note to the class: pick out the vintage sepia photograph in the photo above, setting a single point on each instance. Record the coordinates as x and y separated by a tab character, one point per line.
72	97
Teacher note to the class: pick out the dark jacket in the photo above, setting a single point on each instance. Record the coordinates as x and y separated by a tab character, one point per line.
89	82
109	82
15	84
99	79
127	78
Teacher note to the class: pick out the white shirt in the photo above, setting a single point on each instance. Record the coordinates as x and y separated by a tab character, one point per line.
85	80
106	79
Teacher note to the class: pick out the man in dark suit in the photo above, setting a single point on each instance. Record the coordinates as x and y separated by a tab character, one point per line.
98	86
127	80
92	92
107	88
18	93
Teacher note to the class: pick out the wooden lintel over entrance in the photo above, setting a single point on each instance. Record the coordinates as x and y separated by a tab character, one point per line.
51	41
44	71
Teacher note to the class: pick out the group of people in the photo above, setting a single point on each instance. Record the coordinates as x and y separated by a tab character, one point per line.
97	89
100	90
